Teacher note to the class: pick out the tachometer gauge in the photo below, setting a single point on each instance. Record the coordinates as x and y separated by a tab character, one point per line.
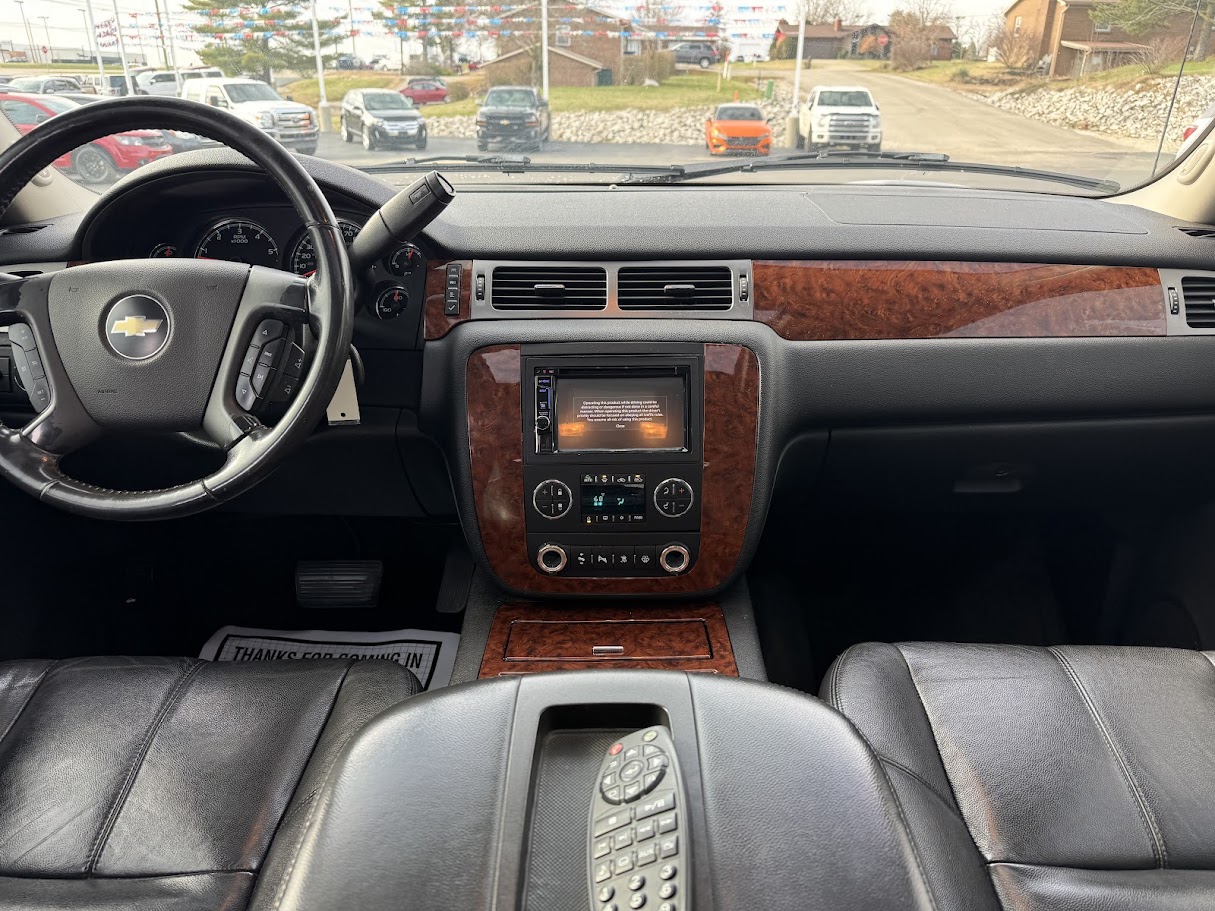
404	260
303	254
164	251
239	241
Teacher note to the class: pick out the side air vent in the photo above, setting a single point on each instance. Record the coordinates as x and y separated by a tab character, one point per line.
1199	296
1198	232
675	288
549	288
20	229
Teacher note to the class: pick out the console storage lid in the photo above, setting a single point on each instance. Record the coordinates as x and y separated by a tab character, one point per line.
476	797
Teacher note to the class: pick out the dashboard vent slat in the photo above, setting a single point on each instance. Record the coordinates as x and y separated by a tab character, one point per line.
1197	232
1199	297
675	288
549	288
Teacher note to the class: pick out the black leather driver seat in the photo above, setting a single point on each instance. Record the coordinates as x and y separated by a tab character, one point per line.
1040	779
160	783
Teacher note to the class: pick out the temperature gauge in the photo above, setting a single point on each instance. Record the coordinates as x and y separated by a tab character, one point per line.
390	301
164	251
404	260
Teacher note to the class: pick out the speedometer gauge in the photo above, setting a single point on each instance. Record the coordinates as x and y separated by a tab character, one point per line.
303	254
239	241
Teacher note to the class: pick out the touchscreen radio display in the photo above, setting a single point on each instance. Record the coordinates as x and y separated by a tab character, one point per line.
621	414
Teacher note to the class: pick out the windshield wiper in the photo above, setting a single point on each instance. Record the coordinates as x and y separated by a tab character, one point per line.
915	161
518	164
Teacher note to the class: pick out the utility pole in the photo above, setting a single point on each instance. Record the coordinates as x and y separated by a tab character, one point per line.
350	28
172	43
122	51
29	36
95	43
792	124
323	106
544	47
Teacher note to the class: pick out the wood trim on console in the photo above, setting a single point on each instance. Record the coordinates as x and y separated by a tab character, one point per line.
822	300
437	324
575	631
495	443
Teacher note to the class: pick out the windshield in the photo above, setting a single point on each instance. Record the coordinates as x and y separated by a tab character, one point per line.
1034	95
509	98
845	99
251	91
386	101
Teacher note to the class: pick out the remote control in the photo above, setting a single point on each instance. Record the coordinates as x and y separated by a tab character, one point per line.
638	856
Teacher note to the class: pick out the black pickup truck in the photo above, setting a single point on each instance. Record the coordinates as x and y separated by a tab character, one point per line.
515	115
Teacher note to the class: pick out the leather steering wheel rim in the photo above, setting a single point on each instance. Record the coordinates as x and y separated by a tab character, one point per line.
323	306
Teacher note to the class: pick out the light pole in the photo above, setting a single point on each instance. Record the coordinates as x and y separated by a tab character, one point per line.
95	44
792	126
29	36
46	30
354	50
323	106
544	47
122	51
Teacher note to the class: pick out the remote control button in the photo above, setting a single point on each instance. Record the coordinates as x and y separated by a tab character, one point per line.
656	762
622	839
667	906
637	900
613	795
603	871
649	750
612	765
632	791
647	855
608	780
653	805
667	890
636	881
646	830
609	822
610	906
651	780
668	871
602	848
631	770
668	823
624	863
649	735
605	893
632	753
615	748
668	847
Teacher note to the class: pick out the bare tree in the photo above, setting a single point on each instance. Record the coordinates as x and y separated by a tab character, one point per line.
849	12
1159	52
916	27
1014	48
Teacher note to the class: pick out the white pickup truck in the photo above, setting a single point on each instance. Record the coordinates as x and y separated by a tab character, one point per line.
293	124
836	116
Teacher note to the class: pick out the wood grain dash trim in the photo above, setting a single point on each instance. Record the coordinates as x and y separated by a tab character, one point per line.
576	630
868	299
436	323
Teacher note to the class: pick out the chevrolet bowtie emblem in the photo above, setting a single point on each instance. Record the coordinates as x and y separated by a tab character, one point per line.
136	326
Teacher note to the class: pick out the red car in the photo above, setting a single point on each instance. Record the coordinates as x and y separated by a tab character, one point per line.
102	160
426	91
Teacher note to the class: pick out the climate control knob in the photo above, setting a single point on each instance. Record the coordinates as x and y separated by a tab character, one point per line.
551	558
673	497
674	558
552	499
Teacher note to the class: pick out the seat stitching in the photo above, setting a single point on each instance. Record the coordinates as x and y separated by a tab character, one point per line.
936	744
950	805
124	791
911	839
28	698
1145	813
833	687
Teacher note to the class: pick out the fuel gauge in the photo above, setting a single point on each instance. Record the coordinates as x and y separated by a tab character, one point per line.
404	260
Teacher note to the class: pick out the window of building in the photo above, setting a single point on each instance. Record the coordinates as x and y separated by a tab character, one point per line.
1102	27
632	46
1017	26
563	36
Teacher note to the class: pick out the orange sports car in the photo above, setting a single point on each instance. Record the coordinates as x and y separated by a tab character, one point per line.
738	128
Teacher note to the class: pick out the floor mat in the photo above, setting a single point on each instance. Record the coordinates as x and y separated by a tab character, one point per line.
428	653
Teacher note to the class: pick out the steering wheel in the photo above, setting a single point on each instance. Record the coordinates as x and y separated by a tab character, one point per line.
161	345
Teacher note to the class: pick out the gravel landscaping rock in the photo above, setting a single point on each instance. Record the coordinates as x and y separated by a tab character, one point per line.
680	126
1137	113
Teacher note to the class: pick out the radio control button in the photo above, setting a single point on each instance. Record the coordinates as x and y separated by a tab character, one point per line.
673	497
552	499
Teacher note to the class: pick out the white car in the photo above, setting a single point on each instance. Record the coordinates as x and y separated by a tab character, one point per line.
156	82
295	125
840	116
1195	130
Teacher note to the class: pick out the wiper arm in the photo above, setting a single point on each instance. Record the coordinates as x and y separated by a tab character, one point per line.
915	161
518	164
504	162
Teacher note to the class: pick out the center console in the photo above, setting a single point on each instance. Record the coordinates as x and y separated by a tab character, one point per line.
614	468
592	791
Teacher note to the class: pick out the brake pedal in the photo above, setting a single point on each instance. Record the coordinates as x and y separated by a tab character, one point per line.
338	583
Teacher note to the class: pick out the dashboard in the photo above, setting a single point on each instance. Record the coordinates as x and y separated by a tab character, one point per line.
865	343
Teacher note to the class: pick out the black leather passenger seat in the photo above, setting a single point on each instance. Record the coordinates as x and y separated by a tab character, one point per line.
160	782
1045	779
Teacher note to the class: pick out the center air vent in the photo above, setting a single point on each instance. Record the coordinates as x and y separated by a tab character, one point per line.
1199	295
549	288
1197	232
675	288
